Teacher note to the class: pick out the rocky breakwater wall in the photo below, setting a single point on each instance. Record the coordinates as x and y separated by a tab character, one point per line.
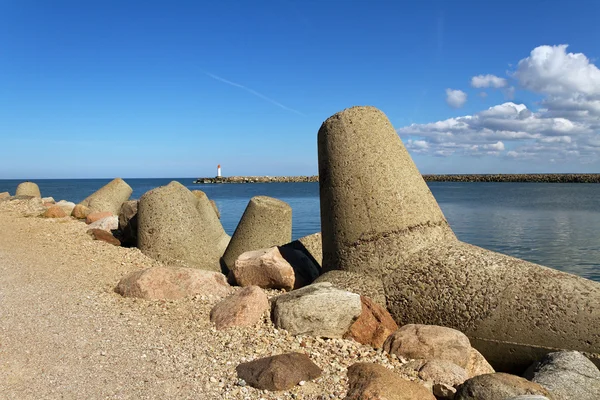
531	178
380	220
257	179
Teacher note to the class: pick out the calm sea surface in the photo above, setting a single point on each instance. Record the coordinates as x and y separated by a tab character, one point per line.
557	225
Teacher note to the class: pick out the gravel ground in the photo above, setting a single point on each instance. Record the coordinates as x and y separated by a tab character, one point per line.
64	332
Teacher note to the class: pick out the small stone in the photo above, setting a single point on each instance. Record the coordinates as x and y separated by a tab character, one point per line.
478	365
80	211
54	212
280	372
373	326
368	381
243	308
415	341
498	386
102	235
108	224
172	283
264	268
97	216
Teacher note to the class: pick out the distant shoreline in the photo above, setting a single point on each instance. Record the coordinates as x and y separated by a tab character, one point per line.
532	178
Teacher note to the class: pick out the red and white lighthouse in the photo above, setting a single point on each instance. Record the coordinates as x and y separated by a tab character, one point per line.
219	171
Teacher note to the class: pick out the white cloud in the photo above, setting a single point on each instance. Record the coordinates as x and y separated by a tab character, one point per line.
456	98
486	81
565	127
551	70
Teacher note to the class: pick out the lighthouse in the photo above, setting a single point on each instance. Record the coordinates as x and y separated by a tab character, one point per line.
219	171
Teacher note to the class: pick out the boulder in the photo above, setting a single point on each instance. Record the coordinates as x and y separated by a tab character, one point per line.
67	206
161	283
80	212
104	236
498	386
97	216
48	200
379	219
443	372
28	189
280	372
54	212
357	283
106	224
567	375
243	308
317	310
429	342
176	227
373	326
204	198
128	222
109	197
368	381
264	268
4	195
478	365
266	222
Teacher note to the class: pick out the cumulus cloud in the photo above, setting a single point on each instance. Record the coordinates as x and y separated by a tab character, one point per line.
565	126
486	81
455	98
551	70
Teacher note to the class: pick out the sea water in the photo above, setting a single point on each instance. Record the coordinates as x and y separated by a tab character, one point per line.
557	225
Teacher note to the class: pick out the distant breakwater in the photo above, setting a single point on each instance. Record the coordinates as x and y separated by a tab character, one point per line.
533	178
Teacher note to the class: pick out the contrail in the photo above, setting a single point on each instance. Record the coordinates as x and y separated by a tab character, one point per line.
254	92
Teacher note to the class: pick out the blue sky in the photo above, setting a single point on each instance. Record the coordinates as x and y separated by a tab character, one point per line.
166	89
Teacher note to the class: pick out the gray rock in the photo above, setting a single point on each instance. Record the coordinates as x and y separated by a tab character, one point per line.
28	189
316	310
443	372
364	285
528	397
67	206
266	222
106	224
109	197
498	386
567	375
128	224
178	228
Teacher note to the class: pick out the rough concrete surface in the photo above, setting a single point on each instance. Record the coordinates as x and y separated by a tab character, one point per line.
266	222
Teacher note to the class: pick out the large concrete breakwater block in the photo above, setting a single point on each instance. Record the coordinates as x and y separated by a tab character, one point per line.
28	188
177	227
380	219
266	222
109	197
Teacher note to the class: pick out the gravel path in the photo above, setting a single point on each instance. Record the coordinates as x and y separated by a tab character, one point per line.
65	334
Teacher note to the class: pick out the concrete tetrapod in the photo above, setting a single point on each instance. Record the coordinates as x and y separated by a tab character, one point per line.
28	188
266	222
380	219
109	197
176	227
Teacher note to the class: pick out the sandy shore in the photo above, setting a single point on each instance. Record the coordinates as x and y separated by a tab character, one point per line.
66	334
